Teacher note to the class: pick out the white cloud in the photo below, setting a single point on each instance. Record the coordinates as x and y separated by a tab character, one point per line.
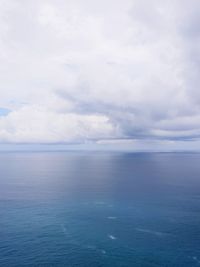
85	70
39	125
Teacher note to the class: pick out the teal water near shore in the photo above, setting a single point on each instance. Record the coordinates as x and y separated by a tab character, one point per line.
99	209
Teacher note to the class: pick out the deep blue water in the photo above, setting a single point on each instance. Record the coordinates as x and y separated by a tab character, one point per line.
99	209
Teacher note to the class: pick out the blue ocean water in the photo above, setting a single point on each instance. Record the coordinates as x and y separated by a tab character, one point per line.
99	209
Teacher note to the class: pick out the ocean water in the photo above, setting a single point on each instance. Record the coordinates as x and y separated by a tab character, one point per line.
99	209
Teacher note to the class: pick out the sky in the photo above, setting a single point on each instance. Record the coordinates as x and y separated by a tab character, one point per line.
107	74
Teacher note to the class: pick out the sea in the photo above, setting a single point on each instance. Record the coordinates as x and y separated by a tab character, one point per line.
99	209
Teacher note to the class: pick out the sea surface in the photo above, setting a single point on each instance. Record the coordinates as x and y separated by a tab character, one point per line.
92	209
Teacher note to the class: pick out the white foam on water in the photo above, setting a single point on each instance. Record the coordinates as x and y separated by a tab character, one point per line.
148	231
196	259
112	237
103	251
112	217
63	229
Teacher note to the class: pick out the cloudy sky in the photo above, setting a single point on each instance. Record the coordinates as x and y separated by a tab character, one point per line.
109	73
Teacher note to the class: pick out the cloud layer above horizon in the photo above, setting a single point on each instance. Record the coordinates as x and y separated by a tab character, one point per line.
76	71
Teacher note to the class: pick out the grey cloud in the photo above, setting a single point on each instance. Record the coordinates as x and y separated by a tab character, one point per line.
90	71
